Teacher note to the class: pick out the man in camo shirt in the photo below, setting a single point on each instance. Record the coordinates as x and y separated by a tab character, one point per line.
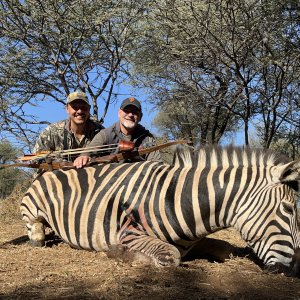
127	129
75	132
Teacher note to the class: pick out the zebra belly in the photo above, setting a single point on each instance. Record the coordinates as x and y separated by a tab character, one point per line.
84	228
86	232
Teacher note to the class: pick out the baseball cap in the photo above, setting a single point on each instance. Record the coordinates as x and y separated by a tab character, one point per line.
78	95
131	101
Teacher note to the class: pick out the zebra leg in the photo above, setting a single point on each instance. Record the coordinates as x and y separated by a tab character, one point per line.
121	252
36	234
161	253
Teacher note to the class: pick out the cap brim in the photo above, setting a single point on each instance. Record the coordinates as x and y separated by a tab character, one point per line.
131	104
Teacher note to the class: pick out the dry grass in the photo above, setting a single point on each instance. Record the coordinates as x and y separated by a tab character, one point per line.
58	271
10	206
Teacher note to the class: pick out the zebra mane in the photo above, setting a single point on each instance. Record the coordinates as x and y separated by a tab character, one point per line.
183	156
214	155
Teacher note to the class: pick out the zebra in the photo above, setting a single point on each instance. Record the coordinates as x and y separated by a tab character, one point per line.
160	211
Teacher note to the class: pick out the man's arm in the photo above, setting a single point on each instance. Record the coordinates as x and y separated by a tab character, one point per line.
99	139
44	141
155	155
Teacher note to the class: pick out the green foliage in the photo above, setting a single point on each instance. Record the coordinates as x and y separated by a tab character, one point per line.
7	152
10	177
230	62
287	146
171	120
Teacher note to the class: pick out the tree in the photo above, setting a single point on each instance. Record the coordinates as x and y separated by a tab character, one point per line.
9	177
277	88
232	61
174	122
50	47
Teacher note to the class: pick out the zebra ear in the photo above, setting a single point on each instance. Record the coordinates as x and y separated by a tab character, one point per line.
290	172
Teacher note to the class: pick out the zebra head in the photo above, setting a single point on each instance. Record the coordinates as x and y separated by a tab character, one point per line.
272	230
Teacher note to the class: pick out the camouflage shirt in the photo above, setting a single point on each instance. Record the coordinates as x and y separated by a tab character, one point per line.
58	136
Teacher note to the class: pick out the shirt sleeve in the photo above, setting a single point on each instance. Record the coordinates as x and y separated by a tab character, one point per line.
44	141
99	139
155	155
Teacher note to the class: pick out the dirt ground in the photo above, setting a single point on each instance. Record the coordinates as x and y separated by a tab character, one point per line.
223	268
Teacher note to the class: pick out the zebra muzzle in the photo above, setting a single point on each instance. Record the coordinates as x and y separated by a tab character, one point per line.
293	270
295	264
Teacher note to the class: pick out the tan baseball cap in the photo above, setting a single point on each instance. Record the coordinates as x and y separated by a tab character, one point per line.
78	95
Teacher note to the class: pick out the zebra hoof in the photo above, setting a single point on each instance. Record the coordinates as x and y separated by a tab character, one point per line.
168	260
37	243
37	235
126	255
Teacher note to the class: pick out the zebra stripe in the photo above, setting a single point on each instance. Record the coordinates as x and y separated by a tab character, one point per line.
163	210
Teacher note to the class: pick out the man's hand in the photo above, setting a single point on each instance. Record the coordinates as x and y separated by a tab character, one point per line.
81	161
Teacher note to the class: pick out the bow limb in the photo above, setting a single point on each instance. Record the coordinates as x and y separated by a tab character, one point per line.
122	146
131	154
125	154
161	146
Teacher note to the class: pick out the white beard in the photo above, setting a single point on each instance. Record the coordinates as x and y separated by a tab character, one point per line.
129	124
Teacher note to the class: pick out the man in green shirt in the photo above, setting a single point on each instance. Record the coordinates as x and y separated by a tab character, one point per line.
75	132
